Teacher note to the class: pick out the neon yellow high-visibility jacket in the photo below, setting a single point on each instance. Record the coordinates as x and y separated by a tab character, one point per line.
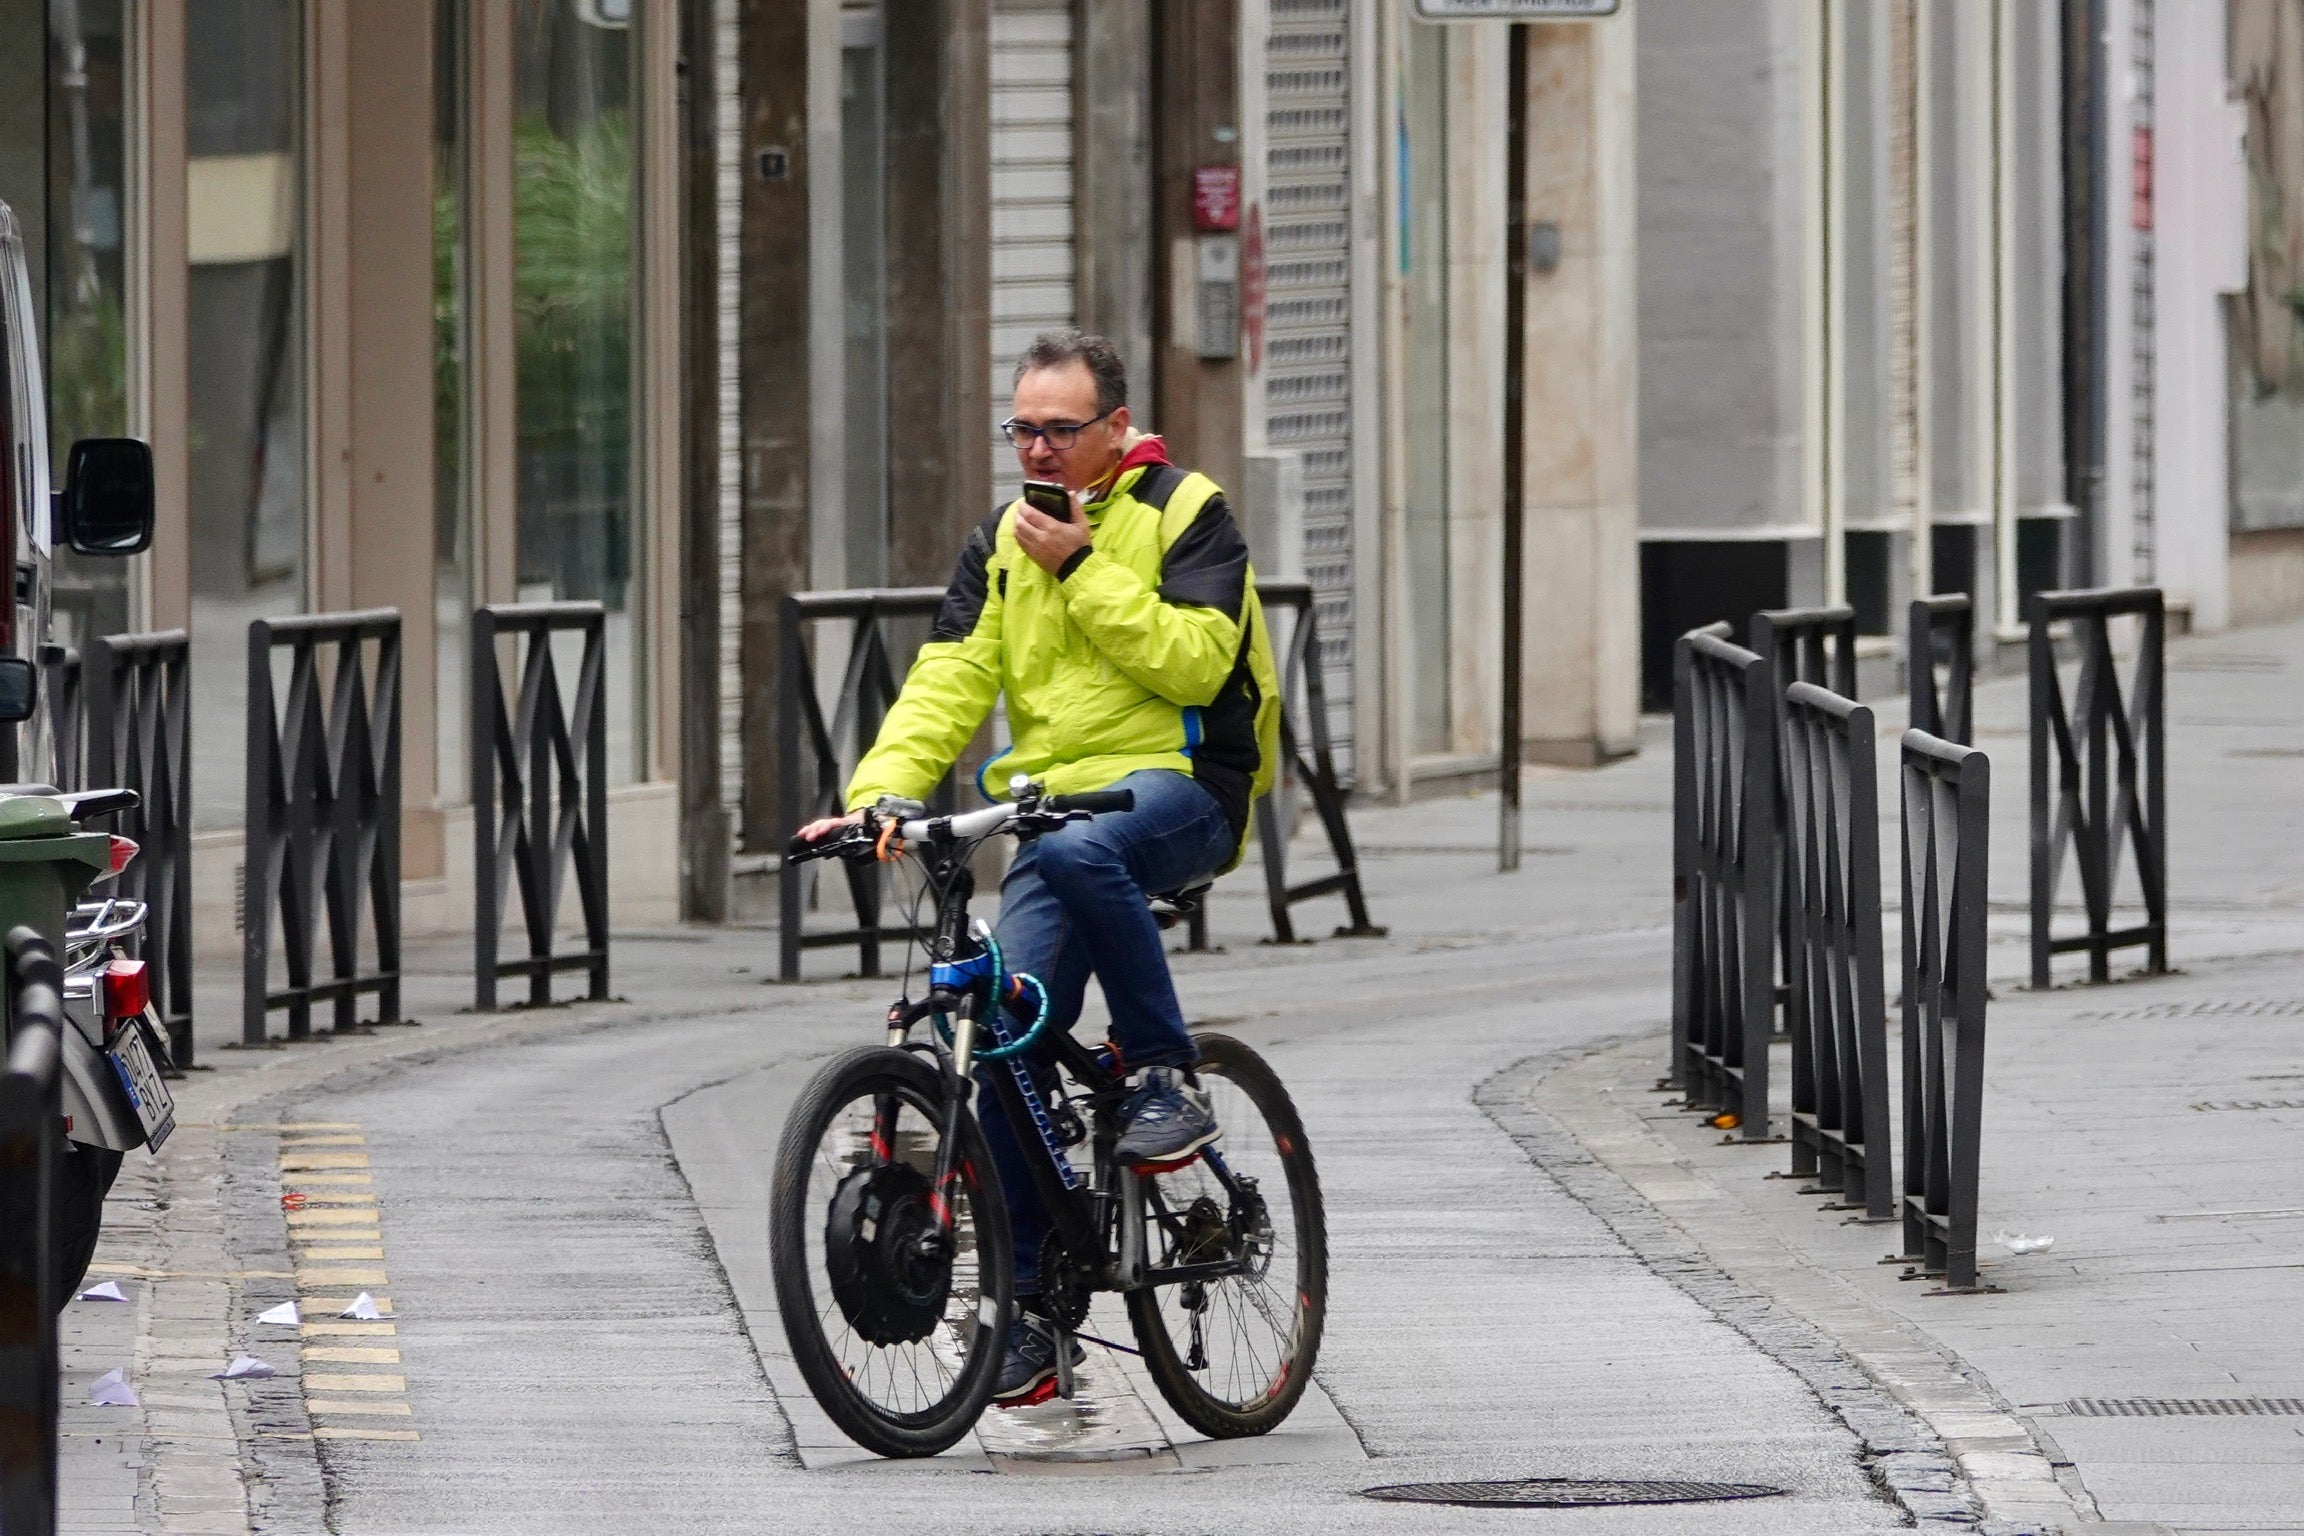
1148	651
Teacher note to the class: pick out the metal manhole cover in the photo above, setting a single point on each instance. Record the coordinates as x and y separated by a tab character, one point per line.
1569	1493
2184	1407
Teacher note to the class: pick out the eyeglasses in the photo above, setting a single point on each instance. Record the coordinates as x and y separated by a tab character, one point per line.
1059	435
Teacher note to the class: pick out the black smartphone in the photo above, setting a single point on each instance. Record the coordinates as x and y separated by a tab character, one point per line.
1048	499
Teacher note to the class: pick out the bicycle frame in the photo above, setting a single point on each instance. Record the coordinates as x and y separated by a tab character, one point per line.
1084	1211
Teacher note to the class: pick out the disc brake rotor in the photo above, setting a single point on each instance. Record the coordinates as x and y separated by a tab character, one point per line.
890	1263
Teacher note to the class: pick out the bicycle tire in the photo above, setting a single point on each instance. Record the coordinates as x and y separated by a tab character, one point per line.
800	1294
1280	1140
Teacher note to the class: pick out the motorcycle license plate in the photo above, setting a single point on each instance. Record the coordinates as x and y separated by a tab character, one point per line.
155	1110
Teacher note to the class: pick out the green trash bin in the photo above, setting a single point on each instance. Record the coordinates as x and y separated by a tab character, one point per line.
46	864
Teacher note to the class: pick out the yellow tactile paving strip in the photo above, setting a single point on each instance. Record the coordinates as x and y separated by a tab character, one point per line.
328	1194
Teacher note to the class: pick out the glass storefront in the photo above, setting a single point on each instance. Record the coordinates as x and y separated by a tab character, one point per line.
451	496
573	189
88	137
246	433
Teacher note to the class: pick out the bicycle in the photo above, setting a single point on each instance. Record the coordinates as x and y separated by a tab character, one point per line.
889	1232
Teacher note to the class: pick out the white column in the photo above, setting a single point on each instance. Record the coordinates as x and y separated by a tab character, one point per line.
2201	188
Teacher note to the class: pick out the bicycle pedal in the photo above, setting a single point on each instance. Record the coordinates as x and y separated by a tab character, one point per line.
1170	1166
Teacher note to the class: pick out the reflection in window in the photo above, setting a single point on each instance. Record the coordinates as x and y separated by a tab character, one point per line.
87	286
573	181
451	520
243	177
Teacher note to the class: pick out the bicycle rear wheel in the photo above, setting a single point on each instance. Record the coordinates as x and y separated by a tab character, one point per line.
898	1335
1232	1347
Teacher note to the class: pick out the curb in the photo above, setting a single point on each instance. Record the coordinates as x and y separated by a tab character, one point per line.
1939	1443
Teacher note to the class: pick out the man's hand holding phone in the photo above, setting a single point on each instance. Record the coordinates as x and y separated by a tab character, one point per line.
1049	526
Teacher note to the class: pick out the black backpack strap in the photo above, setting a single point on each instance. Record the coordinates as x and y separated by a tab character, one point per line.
1156	485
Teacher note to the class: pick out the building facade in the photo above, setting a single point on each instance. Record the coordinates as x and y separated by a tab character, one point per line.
1935	298
684	305
391	288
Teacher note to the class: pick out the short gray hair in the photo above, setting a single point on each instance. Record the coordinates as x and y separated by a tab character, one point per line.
1053	349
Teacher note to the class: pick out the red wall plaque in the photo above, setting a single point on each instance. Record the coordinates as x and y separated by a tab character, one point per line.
1216	199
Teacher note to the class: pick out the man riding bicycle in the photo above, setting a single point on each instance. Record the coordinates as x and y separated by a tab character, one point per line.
1131	651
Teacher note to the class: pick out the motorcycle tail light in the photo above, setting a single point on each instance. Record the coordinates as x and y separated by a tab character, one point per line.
127	989
123	850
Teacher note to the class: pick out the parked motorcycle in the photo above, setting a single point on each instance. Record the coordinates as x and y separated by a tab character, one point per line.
114	1051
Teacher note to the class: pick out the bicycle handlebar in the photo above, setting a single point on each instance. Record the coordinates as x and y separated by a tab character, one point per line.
1096	802
863	839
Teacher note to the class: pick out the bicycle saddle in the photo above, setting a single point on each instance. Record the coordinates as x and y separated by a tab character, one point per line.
1172	907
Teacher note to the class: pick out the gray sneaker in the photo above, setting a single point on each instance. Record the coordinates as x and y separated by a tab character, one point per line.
1165	1120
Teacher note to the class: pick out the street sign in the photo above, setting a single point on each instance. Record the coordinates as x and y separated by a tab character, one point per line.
1515	10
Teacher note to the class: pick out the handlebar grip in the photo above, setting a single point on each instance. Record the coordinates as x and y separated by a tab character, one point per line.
1095	802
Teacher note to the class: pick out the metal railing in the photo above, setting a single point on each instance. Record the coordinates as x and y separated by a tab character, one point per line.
539	796
815	755
1803	645
1840	1127
2105	748
1315	771
323	818
817	751
1942	634
31	1121
1809	645
1947	791
1725	889
122	716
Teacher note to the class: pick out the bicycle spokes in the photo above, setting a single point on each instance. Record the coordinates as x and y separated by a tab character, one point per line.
903	1304
1231	1303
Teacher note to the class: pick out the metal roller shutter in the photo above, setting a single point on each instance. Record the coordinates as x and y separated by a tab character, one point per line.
1032	95
1308	308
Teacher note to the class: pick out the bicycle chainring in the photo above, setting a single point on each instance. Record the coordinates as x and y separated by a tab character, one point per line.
889	1260
1064	1290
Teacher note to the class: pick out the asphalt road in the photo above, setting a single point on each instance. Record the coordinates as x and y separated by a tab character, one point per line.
573	1229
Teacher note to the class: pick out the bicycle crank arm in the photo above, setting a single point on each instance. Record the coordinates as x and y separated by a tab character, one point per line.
1128	1269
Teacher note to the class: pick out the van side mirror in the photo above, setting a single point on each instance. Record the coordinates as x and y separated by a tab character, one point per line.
19	689
107	503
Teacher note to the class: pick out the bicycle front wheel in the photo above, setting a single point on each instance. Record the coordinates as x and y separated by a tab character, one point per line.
1236	1244
896	1328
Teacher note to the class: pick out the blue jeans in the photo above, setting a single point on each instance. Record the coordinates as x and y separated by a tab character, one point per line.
1073	903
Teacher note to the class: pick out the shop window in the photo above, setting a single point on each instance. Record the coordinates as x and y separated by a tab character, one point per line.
452	594
87	279
574	330
245	344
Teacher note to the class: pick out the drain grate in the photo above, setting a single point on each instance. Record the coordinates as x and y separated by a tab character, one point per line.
2185	1407
2220	1104
1567	1493
2206	1008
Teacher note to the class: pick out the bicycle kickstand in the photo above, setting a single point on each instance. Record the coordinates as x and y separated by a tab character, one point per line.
1064	1381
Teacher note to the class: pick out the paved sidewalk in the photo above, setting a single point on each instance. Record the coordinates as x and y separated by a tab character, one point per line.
1575	1322
2148	1368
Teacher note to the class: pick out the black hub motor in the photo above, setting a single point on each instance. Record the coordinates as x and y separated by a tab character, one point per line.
889	1261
